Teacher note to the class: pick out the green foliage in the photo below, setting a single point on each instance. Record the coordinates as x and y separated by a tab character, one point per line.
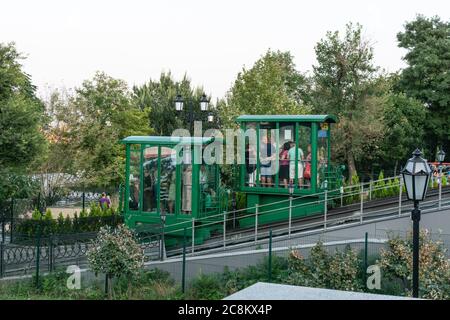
271	86
91	123
115	253
206	287
21	115
426	77
340	271
353	188
434	272
344	269
379	191
92	222
320	261
344	85
159	98
444	181
153	284
404	119
17	186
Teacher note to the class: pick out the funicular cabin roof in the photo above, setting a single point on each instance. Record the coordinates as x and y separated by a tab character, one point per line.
288	118
167	140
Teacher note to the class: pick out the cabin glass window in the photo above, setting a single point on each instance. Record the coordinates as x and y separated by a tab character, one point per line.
250	154
186	180
168	177
302	174
134	178
208	188
150	166
286	140
322	152
267	154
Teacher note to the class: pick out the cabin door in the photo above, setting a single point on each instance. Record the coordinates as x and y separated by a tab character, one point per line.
159	180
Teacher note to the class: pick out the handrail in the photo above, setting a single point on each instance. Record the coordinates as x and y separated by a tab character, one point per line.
352	194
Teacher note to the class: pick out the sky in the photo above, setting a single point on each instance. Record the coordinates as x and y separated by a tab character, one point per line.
67	41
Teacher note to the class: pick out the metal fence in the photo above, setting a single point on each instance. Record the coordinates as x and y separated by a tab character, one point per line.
45	253
349	205
368	247
186	268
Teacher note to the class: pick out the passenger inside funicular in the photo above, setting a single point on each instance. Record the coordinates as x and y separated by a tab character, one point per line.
280	154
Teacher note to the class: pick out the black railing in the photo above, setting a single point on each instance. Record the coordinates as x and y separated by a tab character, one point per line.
45	253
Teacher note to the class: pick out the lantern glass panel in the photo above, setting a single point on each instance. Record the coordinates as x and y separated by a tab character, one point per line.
179	105
421	186
420	167
408	185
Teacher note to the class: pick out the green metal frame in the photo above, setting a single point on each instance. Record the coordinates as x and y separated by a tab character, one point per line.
314	121
153	217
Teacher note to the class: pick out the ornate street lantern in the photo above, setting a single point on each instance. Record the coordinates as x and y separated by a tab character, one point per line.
416	175
204	103
441	156
179	102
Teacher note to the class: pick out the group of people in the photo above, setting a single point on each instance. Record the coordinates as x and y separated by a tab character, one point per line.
288	164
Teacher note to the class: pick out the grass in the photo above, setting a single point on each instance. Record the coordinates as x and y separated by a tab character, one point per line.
149	285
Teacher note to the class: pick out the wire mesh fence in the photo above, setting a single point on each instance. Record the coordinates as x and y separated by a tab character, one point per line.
185	268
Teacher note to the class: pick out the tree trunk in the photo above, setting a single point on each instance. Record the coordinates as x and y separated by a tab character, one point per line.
130	289
110	287
351	165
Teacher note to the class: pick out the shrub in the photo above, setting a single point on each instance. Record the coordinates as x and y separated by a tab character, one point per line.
320	265
206	287
344	269
434	276
379	186
354	190
444	180
299	273
115	253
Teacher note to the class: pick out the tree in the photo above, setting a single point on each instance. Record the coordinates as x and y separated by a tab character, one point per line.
271	86
399	128
159	98
427	41
91	125
21	113
343	84
115	253
58	167
404	120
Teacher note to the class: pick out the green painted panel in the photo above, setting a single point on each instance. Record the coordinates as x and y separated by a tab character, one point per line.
167	140
289	118
272	210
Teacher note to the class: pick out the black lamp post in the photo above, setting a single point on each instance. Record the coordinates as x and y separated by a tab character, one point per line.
440	159
204	106
416	175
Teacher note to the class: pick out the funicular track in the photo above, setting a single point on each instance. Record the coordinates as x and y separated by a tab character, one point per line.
338	216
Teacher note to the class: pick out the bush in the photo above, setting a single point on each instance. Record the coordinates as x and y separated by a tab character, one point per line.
206	287
434	277
354	190
340	271
92	222
344	269
115	253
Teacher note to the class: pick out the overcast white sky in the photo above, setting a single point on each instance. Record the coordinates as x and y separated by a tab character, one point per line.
67	41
